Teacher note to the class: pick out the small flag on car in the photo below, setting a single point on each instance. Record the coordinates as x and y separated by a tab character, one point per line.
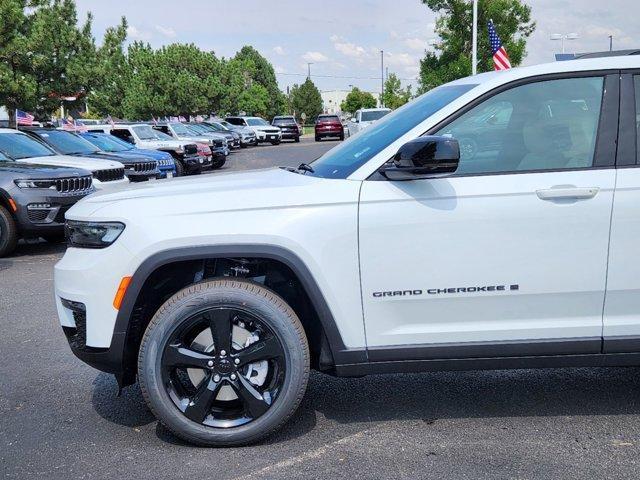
500	57
24	118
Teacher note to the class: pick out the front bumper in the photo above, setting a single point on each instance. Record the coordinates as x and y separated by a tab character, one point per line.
42	213
85	284
142	176
268	137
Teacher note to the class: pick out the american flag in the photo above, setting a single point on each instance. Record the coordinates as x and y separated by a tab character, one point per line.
500	57
67	124
24	118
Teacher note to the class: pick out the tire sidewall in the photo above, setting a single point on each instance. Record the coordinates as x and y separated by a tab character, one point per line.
165	323
8	232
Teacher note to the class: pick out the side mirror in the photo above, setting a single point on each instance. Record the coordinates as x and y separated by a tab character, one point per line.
424	157
354	119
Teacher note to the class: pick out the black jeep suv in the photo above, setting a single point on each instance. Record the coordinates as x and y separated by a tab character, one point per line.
34	199
289	127
137	169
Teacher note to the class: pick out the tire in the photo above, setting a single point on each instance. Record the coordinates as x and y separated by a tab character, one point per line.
179	168
243	145
342	137
297	139
216	164
317	138
215	305
277	142
8	232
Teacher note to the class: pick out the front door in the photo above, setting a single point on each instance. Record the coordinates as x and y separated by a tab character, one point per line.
509	255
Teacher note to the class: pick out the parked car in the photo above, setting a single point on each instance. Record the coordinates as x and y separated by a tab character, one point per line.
290	128
203	128
185	153
523	256
264	132
34	199
365	117
137	169
109	143
217	143
247	136
22	148
328	126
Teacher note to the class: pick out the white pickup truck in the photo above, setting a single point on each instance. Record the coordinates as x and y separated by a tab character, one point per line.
363	118
393	252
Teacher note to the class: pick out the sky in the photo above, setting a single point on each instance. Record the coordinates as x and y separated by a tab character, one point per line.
343	38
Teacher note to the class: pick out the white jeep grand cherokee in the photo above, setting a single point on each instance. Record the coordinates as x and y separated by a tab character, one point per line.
394	252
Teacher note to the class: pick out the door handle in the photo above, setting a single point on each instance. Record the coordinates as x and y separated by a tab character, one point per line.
564	193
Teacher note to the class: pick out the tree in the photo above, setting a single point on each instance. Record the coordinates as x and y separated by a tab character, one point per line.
306	99
394	95
357	99
63	63
512	19
112	72
263	73
17	81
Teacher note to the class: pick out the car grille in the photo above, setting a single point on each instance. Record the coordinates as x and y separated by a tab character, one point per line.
219	143
143	167
110	175
190	149
73	185
38	215
271	131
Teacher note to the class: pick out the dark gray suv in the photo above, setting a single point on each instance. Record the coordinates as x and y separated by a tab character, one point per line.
34	199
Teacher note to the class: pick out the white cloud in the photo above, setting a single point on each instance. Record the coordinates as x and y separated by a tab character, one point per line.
347	48
400	60
135	34
166	31
279	50
416	44
315	57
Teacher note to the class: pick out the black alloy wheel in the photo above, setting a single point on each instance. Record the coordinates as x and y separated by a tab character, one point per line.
215	381
224	362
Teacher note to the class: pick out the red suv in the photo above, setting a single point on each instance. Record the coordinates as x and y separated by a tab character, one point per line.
329	126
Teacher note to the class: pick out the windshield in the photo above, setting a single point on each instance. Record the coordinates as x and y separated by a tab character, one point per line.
3	158
108	143
347	157
256	122
68	143
283	120
374	115
17	145
199	128
145	132
181	130
220	126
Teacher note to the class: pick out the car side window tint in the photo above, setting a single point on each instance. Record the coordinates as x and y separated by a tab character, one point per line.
636	81
547	125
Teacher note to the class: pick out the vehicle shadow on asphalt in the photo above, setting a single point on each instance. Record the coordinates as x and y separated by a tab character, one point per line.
423	397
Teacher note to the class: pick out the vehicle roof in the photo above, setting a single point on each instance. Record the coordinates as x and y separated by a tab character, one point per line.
377	109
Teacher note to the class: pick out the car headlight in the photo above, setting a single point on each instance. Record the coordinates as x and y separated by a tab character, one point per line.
26	183
92	234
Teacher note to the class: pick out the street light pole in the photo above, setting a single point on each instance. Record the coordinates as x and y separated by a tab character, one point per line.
611	43
474	51
382	78
309	69
562	37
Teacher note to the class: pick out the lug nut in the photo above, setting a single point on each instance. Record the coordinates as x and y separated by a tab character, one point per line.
222	353
210	363
216	378
233	376
237	361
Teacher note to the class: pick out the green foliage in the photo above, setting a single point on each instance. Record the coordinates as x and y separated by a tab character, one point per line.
512	19
43	54
357	99
306	99
394	95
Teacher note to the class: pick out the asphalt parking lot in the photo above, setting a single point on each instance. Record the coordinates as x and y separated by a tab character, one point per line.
61	419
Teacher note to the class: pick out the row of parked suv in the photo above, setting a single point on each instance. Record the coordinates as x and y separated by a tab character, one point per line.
44	171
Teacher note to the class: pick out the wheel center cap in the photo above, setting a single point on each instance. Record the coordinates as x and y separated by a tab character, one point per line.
225	366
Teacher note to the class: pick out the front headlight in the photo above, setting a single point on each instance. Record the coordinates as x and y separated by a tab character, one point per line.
35	183
92	234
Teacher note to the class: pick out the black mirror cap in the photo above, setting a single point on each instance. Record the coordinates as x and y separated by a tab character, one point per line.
425	157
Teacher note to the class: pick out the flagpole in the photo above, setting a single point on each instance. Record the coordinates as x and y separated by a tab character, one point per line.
474	54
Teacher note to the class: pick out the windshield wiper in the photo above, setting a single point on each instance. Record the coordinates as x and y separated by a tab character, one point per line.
305	167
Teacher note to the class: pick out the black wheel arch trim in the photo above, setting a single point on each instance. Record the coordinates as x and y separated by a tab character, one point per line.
340	353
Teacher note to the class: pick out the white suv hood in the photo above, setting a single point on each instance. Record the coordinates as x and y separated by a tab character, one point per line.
90	164
224	192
